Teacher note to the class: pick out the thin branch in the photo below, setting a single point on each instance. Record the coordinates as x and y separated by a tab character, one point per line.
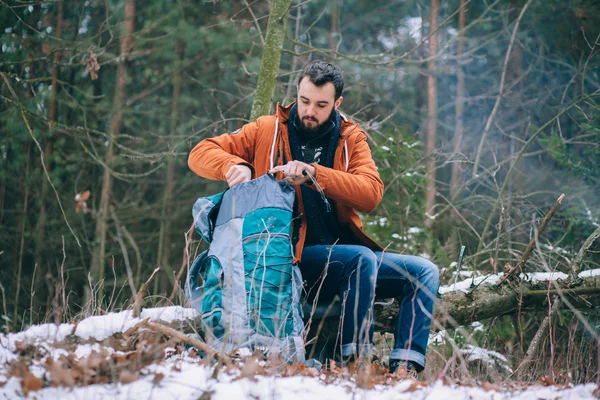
260	35
22	109
575	265
488	124
529	249
516	161
137	305
170	332
537	339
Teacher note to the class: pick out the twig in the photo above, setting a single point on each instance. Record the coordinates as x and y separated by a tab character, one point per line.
575	265
535	342
137	305
527	253
170	332
516	161
501	227
137	326
6	318
260	35
184	262
124	251
580	291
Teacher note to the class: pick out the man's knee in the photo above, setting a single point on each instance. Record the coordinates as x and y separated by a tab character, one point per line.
430	273
364	260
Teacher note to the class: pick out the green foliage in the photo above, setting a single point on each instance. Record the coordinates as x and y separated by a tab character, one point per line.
397	222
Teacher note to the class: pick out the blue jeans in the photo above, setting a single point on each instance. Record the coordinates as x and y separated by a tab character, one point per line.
358	275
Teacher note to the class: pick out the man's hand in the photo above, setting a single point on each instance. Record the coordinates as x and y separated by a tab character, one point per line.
293	172
238	174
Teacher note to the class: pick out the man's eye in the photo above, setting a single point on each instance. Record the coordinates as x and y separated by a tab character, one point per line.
321	106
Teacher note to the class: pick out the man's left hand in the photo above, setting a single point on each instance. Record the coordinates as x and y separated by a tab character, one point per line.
293	172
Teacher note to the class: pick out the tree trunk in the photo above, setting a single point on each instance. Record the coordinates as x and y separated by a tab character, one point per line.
164	242
21	231
431	115
98	257
48	148
271	58
458	129
514	72
334	32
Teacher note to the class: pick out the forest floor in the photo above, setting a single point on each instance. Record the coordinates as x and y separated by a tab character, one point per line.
117	356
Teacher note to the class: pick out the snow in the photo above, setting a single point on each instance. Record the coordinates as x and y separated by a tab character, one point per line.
169	314
591	217
590	273
181	376
468	285
555	248
192	381
99	327
490	357
34	335
478	326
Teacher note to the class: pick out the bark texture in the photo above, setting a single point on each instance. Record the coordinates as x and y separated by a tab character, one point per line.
431	114
271	58
116	122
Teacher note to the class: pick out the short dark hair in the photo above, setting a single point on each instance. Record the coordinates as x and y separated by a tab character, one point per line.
321	72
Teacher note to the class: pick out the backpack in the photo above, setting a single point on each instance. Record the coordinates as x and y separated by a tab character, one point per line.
245	285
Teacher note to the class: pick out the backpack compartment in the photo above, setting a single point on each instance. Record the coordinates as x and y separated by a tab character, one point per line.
268	271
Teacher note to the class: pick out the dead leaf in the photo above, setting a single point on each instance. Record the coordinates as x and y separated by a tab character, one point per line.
46	49
158	378
546	381
29	382
127	376
91	65
487	386
59	375
80	201
250	368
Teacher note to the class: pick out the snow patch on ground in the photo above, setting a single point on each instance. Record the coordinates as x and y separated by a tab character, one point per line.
193	381
490	357
186	377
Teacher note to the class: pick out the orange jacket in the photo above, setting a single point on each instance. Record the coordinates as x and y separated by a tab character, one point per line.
353	182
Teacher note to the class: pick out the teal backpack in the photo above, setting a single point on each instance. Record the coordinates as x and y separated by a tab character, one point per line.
245	285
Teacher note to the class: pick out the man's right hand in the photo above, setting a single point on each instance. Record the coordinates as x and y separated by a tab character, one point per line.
238	174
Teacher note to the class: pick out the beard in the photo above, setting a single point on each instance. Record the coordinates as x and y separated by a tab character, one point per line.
316	123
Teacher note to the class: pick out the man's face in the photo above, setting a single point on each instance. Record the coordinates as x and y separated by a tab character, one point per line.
315	104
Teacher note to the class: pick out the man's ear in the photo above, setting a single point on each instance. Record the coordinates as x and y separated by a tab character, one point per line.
337	103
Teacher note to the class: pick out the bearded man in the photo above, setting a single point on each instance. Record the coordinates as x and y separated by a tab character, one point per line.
325	155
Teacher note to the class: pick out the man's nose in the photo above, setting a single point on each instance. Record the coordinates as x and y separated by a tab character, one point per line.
310	111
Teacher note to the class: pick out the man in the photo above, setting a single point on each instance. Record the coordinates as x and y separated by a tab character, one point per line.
326	157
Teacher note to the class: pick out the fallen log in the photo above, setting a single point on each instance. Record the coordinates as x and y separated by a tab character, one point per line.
489	301
453	308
